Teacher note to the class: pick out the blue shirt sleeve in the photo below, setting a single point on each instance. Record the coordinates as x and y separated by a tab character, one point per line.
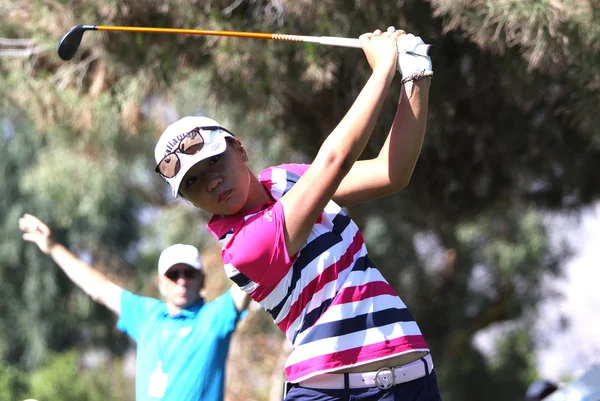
225	315
135	311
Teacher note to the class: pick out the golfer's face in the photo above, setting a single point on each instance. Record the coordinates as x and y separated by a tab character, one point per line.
219	184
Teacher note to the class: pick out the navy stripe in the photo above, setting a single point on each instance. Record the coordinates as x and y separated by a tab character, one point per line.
225	235
291	179
240	280
312	317
323	242
362	264
310	252
357	324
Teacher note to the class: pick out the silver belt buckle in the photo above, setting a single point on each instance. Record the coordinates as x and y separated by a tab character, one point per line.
385	378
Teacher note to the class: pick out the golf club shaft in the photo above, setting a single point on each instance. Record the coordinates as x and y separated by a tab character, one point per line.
323	40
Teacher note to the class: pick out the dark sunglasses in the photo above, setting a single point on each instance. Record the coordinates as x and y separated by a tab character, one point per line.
174	275
190	144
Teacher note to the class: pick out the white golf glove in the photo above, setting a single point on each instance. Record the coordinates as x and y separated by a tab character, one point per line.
413	59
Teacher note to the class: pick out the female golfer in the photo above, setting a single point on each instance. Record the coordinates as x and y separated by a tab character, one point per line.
288	243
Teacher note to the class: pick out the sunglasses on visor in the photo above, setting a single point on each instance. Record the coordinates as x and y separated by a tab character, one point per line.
190	144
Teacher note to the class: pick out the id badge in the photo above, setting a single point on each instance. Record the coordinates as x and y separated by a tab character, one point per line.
158	383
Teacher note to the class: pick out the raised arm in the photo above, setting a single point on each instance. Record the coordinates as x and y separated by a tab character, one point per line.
391	170
305	201
91	281
240	298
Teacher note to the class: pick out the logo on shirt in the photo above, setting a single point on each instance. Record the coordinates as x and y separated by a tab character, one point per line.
269	215
184	331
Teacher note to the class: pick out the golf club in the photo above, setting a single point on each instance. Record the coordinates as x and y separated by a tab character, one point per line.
69	43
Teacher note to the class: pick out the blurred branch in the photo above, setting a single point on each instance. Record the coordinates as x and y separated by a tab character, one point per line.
495	311
20	53
18	48
113	266
63	75
148	197
229	9
17	42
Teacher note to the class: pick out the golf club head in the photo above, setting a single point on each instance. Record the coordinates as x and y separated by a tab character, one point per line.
69	43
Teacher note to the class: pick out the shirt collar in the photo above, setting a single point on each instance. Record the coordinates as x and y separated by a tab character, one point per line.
188	312
219	225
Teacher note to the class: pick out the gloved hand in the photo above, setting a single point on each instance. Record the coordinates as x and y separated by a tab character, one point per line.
413	57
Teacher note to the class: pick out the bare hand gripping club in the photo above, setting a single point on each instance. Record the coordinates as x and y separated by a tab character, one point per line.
69	43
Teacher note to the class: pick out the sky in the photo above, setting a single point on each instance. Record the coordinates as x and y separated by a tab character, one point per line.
566	351
577	347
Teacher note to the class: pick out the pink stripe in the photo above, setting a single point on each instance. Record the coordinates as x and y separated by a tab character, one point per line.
365	291
261	292
330	274
349	357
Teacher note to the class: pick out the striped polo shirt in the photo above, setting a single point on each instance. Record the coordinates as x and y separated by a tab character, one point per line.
329	299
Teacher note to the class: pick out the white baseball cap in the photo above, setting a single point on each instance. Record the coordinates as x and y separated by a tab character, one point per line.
179	253
214	144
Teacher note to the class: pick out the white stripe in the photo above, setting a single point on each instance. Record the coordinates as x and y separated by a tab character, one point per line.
318	229
342	278
333	208
279	292
302	282
331	211
352	340
318	266
278	182
230	270
344	311
354	278
225	240
313	270
250	287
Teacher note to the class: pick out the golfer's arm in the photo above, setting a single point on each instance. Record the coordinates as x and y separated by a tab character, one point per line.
391	170
91	281
303	204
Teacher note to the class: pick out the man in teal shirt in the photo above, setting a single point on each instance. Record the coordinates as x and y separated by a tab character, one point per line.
183	342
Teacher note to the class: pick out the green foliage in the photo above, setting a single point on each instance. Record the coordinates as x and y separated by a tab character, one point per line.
63	378
13	383
59	379
35	293
512	133
514	359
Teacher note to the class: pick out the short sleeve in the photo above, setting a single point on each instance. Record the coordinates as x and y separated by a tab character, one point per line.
134	313
224	314
258	248
299	169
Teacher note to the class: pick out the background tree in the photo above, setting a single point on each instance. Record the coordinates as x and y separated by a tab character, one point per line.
512	134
